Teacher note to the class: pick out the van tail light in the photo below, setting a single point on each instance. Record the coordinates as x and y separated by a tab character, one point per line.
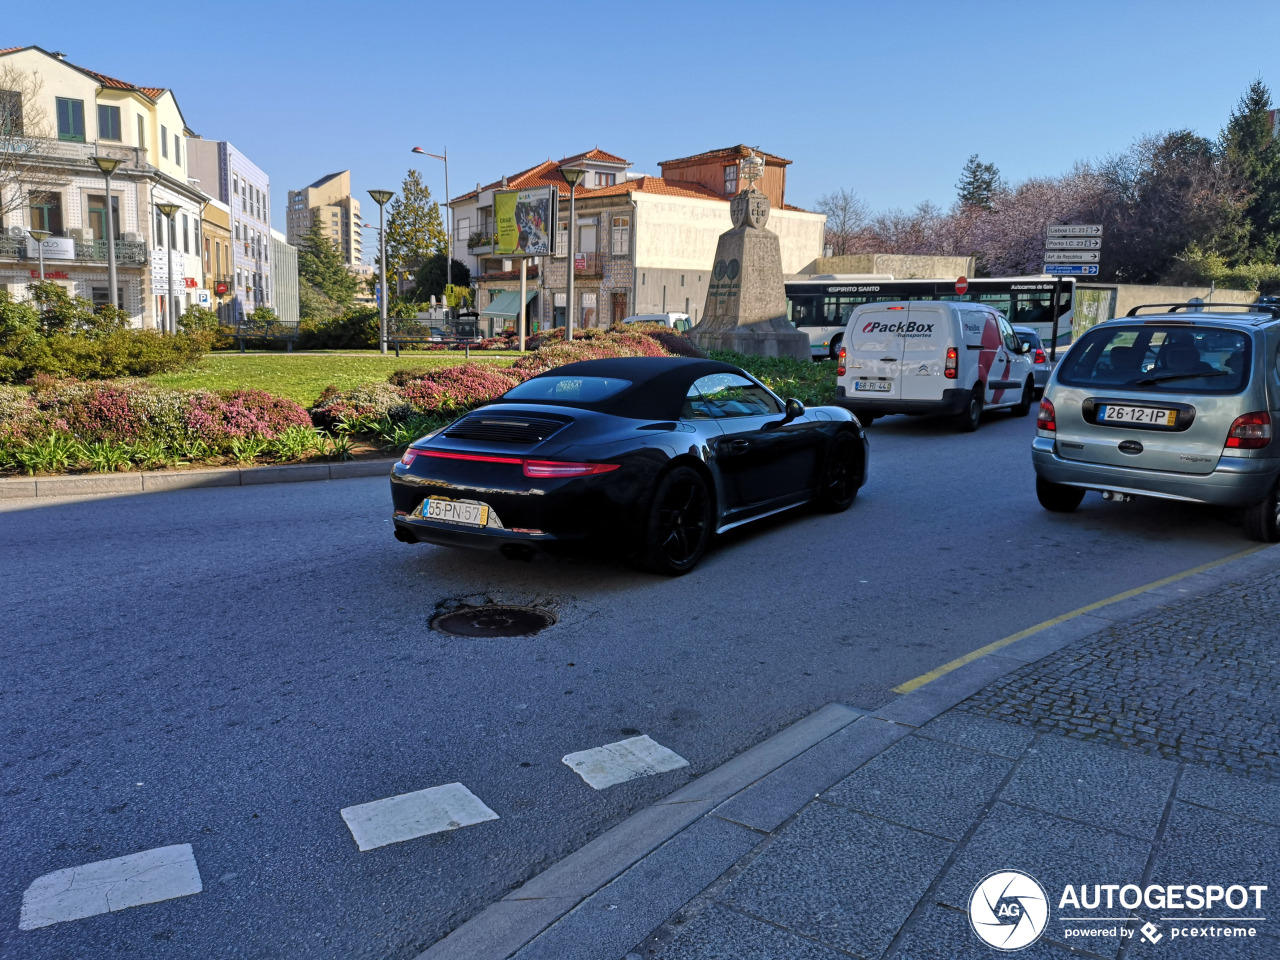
1046	419
953	364
1040	357
840	358
1250	432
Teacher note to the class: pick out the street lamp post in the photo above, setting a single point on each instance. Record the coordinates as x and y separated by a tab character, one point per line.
108	166
448	212
40	236
167	210
380	197
572	176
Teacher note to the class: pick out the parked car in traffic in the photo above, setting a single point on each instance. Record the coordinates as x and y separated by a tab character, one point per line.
653	455
676	321
1040	365
947	358
1174	401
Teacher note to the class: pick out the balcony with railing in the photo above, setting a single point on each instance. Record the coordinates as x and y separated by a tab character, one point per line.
128	252
73	152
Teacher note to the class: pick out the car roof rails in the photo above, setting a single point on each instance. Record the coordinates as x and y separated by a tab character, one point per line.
1269	308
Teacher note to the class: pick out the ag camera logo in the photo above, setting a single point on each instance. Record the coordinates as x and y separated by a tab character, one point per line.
1008	910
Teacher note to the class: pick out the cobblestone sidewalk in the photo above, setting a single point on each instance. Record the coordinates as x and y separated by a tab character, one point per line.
1146	754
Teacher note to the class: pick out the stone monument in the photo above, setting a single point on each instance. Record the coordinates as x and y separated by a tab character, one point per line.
746	306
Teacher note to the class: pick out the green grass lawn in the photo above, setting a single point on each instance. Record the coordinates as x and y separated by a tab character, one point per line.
302	376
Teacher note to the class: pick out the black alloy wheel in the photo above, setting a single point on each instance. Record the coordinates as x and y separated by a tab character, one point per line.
971	416
1028	398
840	476
678	528
1262	520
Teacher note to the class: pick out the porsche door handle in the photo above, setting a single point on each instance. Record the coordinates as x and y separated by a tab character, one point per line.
738	446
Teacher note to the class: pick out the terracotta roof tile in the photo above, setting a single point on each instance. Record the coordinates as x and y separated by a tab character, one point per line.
153	92
656	185
544	174
11	49
596	154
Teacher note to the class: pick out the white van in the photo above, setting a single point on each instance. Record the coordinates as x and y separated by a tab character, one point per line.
677	321
940	357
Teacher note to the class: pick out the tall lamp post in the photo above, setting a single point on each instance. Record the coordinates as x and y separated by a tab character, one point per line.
572	176
167	210
448	212
380	197
40	236
108	166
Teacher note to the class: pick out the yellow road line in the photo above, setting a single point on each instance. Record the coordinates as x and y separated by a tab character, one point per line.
946	668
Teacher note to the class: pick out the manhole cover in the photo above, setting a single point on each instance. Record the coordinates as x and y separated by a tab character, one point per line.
493	621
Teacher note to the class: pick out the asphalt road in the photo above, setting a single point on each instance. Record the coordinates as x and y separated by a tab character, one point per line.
230	667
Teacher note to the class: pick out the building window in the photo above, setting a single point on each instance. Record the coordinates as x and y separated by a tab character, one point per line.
159	229
70	119
206	255
606	179
621	236
682	279
109	123
164	140
730	179
462	229
235	184
186	234
11	113
142	132
46	212
588	309
98	215
177	149
562	238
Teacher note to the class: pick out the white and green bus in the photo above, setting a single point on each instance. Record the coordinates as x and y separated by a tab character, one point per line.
820	306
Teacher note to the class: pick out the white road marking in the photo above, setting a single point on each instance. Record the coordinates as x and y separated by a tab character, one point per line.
625	760
78	892
410	815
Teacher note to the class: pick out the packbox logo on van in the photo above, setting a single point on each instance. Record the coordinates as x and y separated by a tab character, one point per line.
904	327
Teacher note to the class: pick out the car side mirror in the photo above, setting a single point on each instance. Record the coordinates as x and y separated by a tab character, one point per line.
1024	348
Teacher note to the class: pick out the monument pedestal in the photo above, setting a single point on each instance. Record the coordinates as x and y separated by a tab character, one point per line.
746	307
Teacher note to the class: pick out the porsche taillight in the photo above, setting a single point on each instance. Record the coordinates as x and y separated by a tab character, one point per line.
1045	419
953	363
840	358
1250	432
565	468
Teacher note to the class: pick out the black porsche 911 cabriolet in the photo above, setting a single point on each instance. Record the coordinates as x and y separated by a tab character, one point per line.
651	454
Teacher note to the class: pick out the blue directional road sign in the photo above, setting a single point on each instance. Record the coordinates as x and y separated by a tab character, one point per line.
1071	269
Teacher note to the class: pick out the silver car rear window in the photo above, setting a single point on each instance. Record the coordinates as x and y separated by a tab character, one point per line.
1160	359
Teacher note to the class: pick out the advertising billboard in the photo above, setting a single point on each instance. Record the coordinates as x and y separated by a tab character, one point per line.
526	222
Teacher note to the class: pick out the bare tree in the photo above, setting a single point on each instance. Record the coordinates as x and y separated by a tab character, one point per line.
846	216
24	139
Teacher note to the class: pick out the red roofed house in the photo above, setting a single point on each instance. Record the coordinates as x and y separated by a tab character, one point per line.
643	244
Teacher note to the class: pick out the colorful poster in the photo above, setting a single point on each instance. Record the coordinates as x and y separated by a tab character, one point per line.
525	222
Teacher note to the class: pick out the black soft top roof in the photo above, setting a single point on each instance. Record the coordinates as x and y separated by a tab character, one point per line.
658	384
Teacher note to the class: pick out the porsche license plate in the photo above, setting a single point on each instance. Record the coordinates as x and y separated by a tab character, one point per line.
456	511
1120	413
875	386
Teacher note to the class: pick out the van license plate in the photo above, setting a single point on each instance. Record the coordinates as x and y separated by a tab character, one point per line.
457	511
875	386
1118	413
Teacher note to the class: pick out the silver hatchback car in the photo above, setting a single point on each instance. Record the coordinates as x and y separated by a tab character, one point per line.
1176	401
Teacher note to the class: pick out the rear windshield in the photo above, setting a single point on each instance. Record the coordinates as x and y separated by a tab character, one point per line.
1173	359
567	389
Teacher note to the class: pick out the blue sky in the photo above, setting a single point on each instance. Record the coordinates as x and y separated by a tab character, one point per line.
887	99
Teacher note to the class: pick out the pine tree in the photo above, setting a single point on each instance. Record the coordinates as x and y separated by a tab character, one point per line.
320	264
1252	155
414	229
979	183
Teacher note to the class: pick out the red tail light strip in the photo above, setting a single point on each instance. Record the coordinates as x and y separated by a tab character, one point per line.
1250	432
531	468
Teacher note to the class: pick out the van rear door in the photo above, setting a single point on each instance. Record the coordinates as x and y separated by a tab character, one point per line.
873	351
926	333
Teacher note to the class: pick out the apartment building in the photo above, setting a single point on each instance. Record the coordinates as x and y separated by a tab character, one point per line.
62	117
226	173
329	201
643	244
